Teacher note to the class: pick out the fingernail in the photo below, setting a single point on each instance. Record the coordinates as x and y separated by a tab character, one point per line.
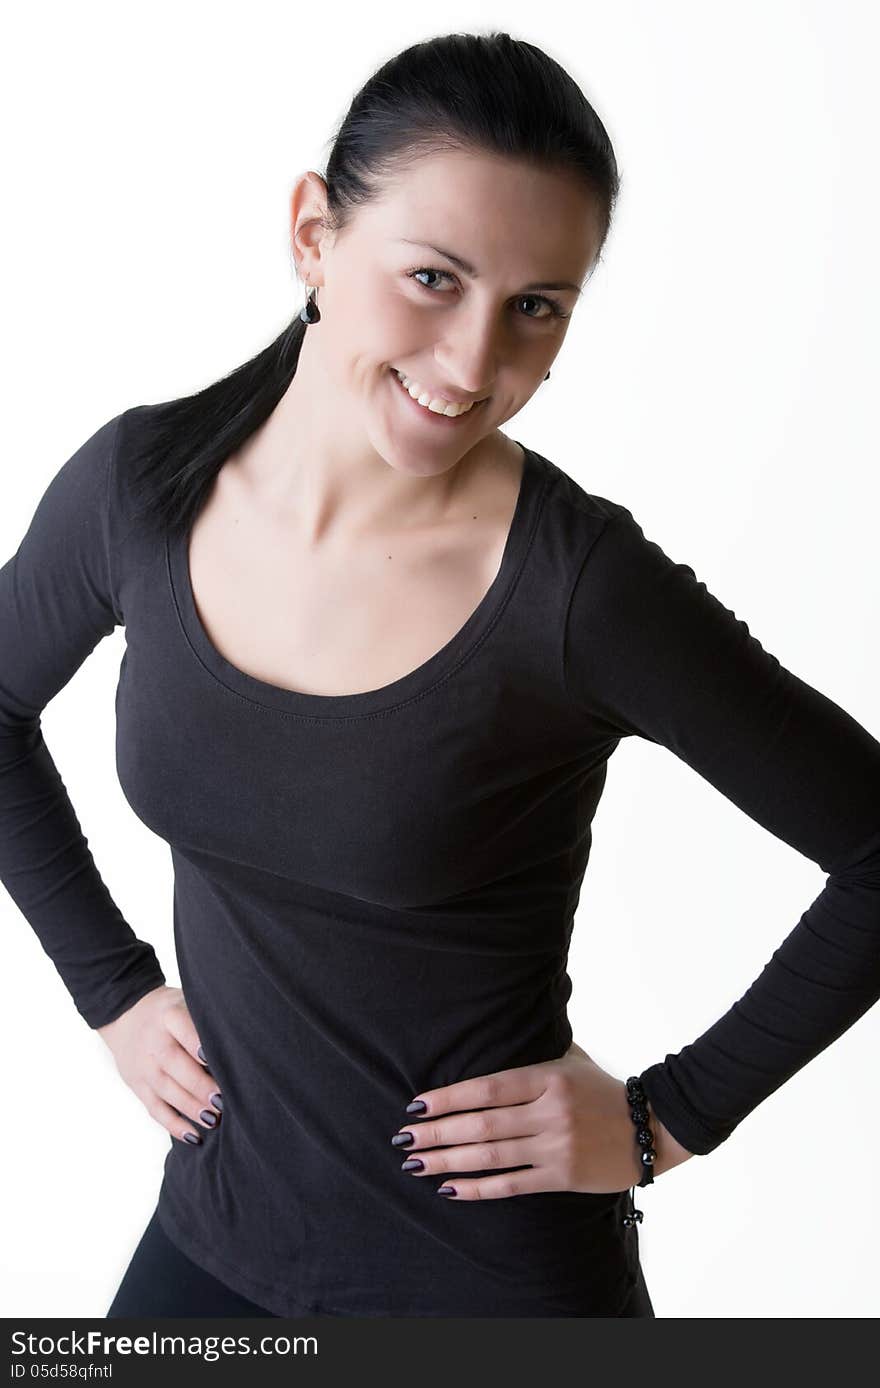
202	1055
217	1101
412	1164
447	1190
191	1137
402	1140
417	1106
212	1119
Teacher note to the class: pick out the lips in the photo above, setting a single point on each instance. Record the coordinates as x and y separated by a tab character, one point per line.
433	414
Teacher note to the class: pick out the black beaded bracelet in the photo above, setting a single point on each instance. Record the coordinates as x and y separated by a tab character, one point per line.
638	1102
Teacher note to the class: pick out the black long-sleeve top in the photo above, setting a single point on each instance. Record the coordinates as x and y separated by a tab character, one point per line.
374	893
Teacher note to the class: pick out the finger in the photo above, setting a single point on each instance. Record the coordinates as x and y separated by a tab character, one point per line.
183	1029
486	1125
527	1182
189	1104
192	1077
517	1086
476	1156
167	1118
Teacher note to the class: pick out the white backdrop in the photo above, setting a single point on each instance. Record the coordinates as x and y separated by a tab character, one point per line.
720	354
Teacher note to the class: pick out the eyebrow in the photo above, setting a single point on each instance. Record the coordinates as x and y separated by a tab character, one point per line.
474	274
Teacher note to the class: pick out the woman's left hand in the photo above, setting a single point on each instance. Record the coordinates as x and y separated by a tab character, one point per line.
567	1121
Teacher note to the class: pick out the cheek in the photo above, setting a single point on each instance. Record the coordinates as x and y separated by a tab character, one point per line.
399	311
383	321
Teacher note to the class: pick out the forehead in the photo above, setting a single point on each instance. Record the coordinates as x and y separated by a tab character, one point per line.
485	208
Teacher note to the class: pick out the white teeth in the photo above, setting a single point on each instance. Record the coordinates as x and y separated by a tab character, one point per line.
422	397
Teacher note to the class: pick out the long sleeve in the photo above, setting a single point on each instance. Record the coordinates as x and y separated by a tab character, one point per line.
56	602
650	652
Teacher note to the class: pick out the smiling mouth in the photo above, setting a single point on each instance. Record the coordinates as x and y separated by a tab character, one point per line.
451	409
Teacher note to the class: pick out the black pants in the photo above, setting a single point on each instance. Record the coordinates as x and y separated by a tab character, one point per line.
161	1281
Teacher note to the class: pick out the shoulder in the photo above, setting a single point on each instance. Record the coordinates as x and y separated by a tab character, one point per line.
141	434
566	493
576	520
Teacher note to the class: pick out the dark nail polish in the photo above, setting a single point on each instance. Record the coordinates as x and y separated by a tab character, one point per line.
402	1140
413	1164
447	1190
217	1101
417	1106
202	1055
212	1119
191	1137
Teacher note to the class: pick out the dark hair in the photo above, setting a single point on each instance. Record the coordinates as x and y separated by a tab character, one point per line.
480	93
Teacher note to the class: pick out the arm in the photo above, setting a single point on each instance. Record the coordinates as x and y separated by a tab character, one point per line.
670	1153
56	602
650	652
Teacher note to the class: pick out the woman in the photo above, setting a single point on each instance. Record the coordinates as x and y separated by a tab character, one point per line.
378	656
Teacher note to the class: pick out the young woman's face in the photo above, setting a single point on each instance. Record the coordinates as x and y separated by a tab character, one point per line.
393	298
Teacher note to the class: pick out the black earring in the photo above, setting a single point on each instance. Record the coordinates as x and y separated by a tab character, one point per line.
310	313
547	377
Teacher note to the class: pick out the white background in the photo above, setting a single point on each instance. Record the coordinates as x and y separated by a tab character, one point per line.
715	379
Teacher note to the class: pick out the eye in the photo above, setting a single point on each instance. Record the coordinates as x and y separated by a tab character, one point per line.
555	307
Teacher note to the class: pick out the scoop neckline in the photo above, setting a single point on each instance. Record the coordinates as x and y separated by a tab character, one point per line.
387	697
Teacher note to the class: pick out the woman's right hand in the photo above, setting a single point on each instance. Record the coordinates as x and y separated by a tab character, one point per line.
155	1046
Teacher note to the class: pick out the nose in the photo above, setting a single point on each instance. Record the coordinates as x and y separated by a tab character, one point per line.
469	355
